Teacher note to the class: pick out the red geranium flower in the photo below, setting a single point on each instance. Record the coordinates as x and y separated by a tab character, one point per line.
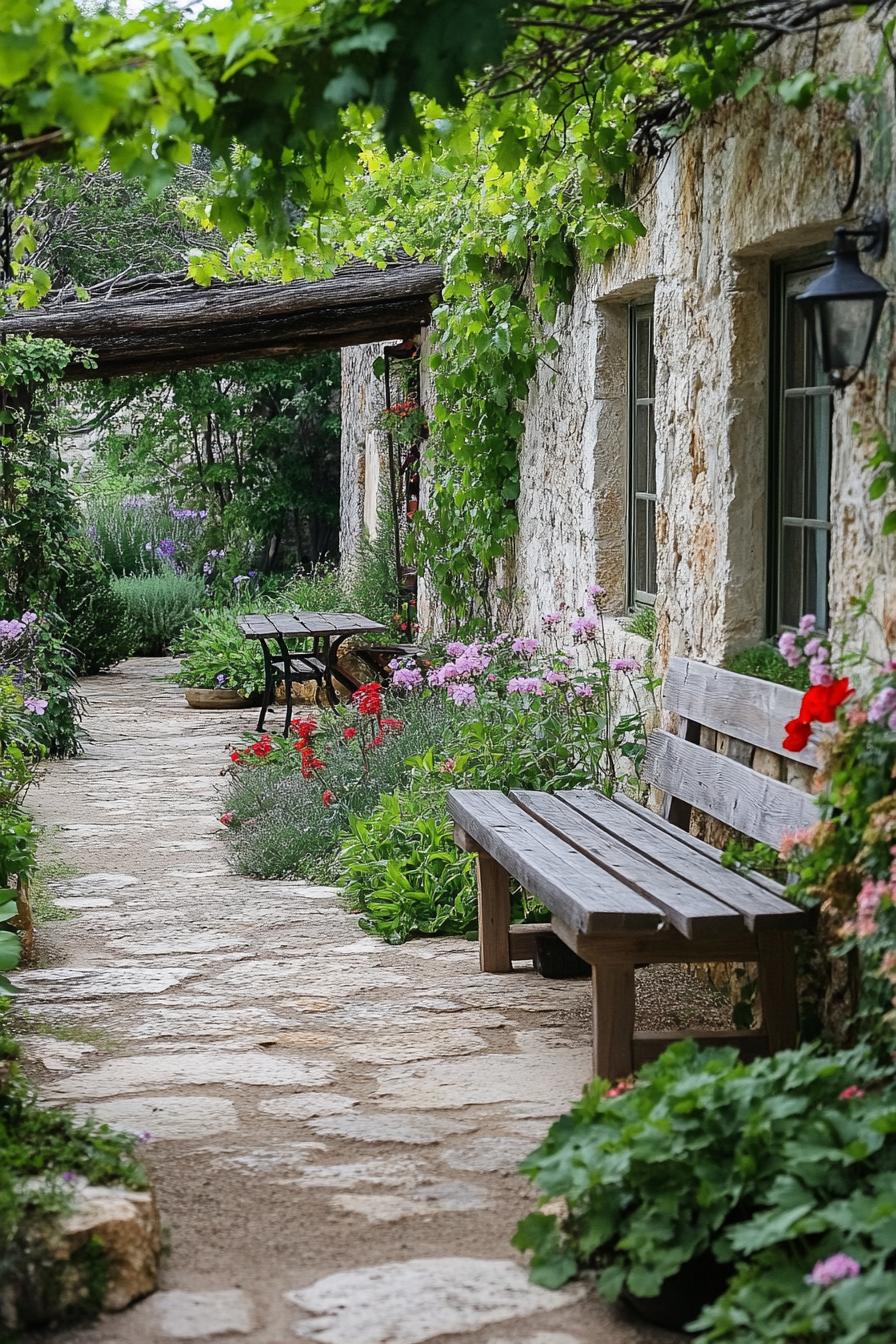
395	725
798	734
226	818
304	727
348	734
819	705
328	797
236	755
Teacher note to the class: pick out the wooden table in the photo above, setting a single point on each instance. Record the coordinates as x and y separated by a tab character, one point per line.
322	634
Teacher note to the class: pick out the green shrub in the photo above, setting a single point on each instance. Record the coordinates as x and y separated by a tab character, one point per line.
213	652
99	630
404	872
771	1167
157	608
765	662
317	589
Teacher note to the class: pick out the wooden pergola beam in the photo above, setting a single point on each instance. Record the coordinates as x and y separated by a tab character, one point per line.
158	324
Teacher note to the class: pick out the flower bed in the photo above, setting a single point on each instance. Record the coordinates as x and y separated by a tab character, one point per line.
359	795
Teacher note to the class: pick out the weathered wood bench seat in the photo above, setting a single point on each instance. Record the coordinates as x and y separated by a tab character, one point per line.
627	887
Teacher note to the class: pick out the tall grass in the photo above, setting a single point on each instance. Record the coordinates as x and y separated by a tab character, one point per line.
158	606
128	531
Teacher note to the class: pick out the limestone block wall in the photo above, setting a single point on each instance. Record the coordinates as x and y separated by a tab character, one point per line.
361	450
754	184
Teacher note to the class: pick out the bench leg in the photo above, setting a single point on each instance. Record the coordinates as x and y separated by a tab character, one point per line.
613	1008
494	915
777	989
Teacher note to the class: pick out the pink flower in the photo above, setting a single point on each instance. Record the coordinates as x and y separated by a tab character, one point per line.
583	627
525	646
555	678
851	1093
35	705
525	686
462	693
226	818
408	678
447	766
625	665
807	623
594	590
789	649
584	691
883	705
455	648
867	902
819	673
552	618
832	1270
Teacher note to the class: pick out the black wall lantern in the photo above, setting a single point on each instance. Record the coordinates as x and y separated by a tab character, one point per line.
844	305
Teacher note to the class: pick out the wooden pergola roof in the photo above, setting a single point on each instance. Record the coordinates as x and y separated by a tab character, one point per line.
159	323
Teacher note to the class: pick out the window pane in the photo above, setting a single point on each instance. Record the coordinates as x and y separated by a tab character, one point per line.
642	448
792	606
650	585
792	458
641	525
651	454
642	363
818	491
795	334
816	562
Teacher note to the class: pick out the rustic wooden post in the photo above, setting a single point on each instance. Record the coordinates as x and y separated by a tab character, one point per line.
613	1004
777	989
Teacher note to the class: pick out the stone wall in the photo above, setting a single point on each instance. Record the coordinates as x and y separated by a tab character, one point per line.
754	184
362	449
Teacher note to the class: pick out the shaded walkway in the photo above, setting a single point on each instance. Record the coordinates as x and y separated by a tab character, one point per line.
320	1103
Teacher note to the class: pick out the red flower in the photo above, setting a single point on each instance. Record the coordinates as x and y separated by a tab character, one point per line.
819	705
798	734
377	741
226	818
618	1090
851	1093
328	797
304	727
262	748
820	702
348	734
369	698
395	725
310	762
236	755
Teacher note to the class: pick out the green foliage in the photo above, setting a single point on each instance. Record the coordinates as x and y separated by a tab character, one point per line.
213	652
882	465
156	608
318	588
250	451
127	531
765	662
96	619
403	871
707	1153
643	622
373	588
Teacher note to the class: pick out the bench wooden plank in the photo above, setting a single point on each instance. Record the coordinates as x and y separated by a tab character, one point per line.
670	848
742	707
586	897
759	807
688	907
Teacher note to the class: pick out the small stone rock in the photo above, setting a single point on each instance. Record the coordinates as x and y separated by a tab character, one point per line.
307	1105
409	1302
179	1315
255	1068
388	1127
439	1197
501	1153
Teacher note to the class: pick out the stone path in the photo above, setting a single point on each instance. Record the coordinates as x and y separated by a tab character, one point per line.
336	1122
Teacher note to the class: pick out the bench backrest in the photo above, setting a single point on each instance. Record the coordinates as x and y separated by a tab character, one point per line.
751	714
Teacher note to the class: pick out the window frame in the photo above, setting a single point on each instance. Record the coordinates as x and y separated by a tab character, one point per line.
635	597
782	272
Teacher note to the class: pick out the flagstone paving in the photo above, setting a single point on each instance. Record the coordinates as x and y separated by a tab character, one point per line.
336	1123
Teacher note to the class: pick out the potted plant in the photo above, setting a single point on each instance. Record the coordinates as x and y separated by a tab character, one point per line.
669	1185
220	668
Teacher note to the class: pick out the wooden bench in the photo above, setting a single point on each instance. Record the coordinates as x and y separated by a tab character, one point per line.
628	887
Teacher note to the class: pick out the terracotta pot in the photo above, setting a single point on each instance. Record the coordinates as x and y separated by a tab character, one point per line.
218	697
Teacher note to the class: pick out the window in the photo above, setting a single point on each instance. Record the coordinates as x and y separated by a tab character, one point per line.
800	460
642	458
